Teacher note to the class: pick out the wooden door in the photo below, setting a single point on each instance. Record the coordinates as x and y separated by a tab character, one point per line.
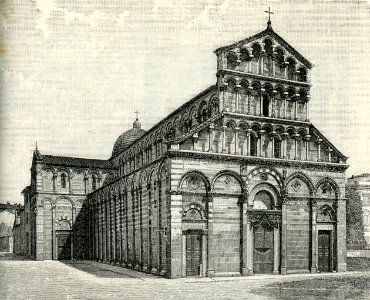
193	254
263	250
324	251
64	246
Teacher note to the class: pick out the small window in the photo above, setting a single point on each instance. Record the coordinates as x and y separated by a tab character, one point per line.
94	182
265	106
63	181
277	148
253	145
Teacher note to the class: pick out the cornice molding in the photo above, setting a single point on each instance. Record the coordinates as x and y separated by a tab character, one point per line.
264	78
268	120
244	160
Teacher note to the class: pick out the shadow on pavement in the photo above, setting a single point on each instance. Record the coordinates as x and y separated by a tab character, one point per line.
101	270
12	256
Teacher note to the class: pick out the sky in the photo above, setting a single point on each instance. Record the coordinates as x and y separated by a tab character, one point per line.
73	72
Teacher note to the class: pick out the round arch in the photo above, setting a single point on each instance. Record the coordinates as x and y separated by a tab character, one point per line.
328	180
264	187
198	174
230	173
304	178
258	170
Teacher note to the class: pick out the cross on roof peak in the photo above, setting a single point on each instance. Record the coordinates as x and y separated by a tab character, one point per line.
270	13
137	114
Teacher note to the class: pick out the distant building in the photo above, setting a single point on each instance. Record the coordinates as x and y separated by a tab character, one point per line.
361	183
7	217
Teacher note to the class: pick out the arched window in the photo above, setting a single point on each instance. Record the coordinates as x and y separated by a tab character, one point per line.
232	60
253	145
267	61
256	52
291	69
277	148
265	106
63	180
302	75
263	200
93	182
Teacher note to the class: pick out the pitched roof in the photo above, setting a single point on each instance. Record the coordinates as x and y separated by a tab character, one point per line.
268	31
74	161
320	135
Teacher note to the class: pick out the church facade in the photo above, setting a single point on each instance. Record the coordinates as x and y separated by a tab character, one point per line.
236	181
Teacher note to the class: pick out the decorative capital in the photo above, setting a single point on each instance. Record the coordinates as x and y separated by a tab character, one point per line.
313	202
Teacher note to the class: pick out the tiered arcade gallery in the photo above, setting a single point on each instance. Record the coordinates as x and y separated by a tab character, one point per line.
236	181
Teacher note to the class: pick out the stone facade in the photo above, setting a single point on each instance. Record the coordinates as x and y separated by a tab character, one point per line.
236	181
52	223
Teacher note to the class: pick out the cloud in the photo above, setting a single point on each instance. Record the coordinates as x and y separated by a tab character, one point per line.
209	14
161	4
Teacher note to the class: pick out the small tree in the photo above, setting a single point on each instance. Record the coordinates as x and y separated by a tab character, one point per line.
355	225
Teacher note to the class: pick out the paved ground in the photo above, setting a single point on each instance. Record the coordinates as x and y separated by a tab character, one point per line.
27	279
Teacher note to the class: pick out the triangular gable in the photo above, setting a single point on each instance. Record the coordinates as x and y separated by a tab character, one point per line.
268	32
318	134
186	136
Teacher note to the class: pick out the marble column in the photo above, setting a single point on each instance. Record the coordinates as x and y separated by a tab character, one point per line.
237	97
210	138
276	249
307	109
273	113
236	144
285	104
223	139
313	203
54	238
248	142
318	142
296	97
284	137
250	89
261	101
245	234
261	141
307	146
211	244
284	236
330	150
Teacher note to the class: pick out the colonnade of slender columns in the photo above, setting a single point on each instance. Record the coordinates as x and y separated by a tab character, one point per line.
121	229
235	148
272	103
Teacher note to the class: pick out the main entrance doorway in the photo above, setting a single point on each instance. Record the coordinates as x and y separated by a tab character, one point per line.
263	253
324	250
193	253
64	245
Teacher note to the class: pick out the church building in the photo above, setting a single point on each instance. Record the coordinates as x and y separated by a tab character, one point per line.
237	181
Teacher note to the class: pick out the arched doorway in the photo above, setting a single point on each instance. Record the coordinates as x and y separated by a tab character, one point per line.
265	221
194	188
325	239
263	253
63	239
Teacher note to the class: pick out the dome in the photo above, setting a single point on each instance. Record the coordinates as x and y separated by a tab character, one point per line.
127	138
